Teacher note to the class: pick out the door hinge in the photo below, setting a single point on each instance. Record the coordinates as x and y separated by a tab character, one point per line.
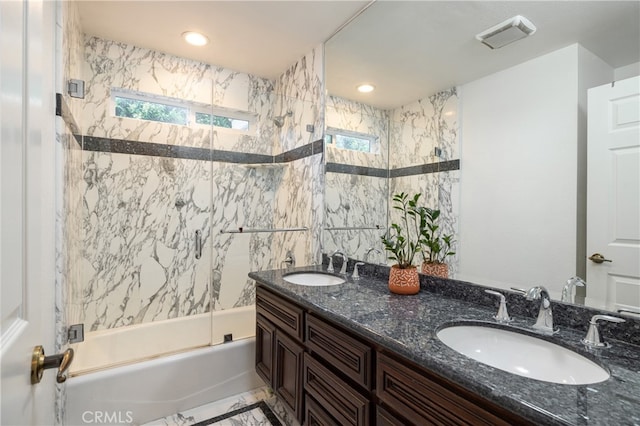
76	333
75	88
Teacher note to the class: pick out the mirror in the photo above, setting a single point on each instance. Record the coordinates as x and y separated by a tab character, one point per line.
356	177
481	133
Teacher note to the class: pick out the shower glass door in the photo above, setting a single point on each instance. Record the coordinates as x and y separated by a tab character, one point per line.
145	201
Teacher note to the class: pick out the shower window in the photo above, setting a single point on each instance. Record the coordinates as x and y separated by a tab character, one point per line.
142	109
353	141
144	106
222	121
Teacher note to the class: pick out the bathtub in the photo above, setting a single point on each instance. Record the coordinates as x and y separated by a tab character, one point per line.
139	392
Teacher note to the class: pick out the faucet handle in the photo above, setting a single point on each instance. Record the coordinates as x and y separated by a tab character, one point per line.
502	315
593	338
330	267
356	276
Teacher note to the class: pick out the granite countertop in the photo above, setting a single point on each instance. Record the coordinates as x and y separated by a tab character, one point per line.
407	325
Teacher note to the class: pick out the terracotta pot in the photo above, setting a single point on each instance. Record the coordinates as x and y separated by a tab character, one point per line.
435	269
404	281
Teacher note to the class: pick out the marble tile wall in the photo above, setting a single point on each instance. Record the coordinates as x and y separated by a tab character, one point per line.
349	115
141	208
353	200
416	130
355	197
419	127
298	199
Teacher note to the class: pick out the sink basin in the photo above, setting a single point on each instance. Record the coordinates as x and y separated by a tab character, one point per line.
313	279
522	354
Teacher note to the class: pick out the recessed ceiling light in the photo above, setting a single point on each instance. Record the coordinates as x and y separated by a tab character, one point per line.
194	38
366	88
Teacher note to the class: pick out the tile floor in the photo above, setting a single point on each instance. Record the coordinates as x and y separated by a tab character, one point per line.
258	407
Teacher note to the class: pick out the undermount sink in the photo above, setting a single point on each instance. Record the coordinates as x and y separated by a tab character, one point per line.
522	354
313	279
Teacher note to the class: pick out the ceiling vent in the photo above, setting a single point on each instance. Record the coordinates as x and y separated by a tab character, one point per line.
506	32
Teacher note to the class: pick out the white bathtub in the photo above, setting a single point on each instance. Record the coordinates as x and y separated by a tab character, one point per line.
144	391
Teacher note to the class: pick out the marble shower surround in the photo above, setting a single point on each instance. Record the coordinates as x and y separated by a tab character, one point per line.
141	211
353	116
355	181
416	130
299	198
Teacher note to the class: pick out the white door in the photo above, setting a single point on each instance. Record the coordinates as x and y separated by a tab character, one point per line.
27	215
613	198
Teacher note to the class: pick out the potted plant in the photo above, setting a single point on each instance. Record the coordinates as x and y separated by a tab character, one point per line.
436	246
403	242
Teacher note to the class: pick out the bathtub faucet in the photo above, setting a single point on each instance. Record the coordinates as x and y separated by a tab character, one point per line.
289	260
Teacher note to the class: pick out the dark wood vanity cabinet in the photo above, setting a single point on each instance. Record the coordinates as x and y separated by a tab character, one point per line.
328	376
279	348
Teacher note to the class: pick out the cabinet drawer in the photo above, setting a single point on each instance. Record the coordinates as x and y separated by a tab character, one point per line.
427	399
348	355
285	315
385	418
315	415
339	400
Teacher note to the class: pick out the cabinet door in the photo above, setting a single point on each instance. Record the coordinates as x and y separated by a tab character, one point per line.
265	335
287	372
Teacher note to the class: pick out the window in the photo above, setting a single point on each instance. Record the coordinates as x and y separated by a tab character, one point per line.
221	121
353	141
144	106
152	111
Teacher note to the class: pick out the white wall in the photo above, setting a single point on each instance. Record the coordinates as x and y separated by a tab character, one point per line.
520	131
627	71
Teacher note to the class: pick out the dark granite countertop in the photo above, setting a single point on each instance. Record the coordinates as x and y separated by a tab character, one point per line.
407	325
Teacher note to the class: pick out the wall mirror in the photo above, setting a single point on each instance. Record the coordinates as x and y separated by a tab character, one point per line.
432	81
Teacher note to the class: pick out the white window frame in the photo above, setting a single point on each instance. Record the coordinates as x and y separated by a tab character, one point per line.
374	141
191	107
228	113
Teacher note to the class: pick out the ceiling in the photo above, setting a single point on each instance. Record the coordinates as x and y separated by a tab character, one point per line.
410	50
407	49
262	38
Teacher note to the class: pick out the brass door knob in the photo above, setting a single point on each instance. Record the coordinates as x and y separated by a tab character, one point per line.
598	258
40	362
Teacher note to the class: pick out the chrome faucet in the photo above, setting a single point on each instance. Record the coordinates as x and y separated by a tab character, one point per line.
343	270
593	338
544	323
567	290
368	252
